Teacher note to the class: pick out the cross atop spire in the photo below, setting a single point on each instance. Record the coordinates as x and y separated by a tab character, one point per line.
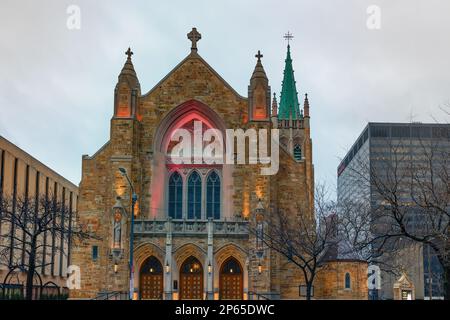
128	74
194	36
129	53
288	36
259	55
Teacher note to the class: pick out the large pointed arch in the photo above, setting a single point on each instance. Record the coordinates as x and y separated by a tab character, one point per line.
231	281
151	279
181	115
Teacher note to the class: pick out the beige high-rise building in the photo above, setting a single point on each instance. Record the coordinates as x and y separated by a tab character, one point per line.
24	177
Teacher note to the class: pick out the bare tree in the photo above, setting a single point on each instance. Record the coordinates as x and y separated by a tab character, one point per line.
356	239
25	224
410	198
302	239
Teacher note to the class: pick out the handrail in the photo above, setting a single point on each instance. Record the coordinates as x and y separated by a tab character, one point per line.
111	295
258	295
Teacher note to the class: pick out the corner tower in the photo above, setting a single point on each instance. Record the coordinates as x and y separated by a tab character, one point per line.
290	119
127	91
259	93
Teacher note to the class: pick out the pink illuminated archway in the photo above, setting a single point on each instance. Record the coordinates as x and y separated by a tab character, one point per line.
182	115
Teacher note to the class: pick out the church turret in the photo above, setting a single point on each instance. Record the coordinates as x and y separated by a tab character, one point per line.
306	110
274	114
289	106
306	106
127	91
259	93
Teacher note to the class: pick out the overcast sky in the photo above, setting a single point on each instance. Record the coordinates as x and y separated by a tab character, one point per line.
56	84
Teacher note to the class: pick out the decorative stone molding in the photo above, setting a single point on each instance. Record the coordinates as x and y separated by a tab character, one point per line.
185	251
146	250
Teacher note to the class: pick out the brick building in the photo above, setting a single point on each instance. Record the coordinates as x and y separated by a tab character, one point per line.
191	237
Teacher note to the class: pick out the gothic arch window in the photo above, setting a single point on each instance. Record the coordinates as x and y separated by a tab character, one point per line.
151	266
347	281
194	205
297	152
231	266
175	196
213	190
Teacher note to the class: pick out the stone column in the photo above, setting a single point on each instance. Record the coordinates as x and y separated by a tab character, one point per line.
210	261
168	261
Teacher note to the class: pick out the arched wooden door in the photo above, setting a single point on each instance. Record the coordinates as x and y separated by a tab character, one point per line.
191	279
151	279
231	280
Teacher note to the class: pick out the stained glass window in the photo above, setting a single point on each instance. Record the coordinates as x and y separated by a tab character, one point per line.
176	196
194	196
297	152
231	266
213	196
347	281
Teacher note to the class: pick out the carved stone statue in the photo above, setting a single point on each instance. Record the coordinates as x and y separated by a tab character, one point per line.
117	229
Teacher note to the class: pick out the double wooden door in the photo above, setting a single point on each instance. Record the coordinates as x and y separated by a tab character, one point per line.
231	280
151	286
191	279
191	286
151	280
231	286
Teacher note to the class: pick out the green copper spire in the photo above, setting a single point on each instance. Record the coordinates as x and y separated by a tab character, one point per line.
289	101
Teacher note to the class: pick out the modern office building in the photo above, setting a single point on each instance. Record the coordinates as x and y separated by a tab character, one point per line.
370	153
23	177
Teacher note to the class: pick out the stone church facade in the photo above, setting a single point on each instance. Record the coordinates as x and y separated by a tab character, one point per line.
191	236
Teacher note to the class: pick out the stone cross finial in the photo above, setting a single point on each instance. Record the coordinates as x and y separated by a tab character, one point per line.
288	36
259	55
194	36
129	53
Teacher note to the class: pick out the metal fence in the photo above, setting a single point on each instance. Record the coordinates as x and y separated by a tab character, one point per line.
48	291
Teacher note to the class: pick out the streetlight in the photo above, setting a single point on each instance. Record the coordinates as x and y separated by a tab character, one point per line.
134	198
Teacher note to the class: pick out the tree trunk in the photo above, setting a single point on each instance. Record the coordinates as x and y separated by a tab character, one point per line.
31	271
308	290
